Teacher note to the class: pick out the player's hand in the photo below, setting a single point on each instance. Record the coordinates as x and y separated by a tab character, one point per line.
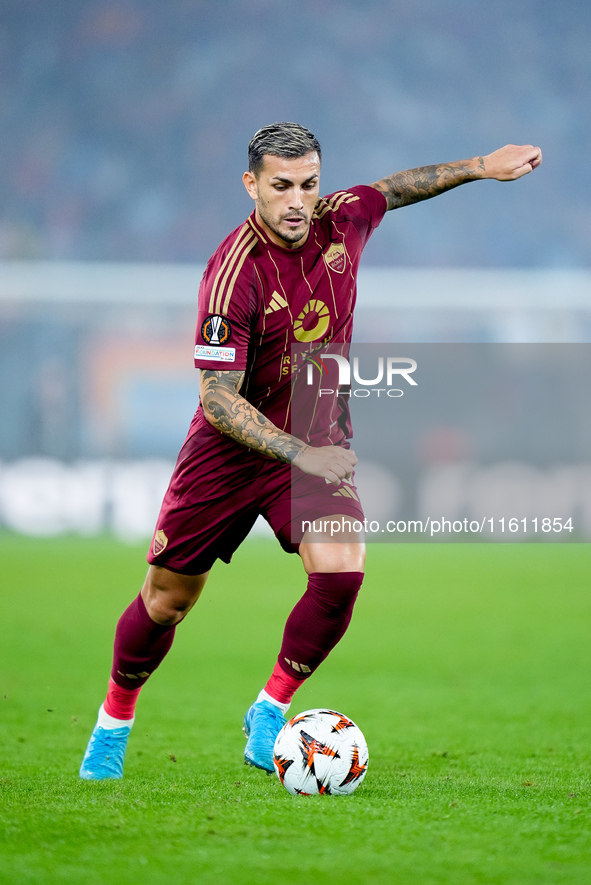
512	161
329	462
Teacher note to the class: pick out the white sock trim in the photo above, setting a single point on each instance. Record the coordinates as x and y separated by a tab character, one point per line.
265	696
106	721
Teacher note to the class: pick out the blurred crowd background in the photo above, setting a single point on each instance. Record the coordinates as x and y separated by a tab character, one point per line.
124	123
123	133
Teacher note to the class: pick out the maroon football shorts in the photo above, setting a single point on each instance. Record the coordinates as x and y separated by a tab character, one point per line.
217	491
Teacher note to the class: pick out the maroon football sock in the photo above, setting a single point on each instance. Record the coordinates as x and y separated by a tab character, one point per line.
140	646
318	621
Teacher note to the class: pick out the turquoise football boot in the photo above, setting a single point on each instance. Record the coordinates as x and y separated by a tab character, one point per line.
105	753
262	724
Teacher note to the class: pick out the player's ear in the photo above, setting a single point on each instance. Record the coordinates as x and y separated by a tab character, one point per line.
250	183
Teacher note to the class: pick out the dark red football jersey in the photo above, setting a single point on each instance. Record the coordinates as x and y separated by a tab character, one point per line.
257	300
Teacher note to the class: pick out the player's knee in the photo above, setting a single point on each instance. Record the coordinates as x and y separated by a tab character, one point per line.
168	596
351	559
163	612
333	557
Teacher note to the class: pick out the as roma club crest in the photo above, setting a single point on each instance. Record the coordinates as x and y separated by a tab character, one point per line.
335	257
160	542
216	330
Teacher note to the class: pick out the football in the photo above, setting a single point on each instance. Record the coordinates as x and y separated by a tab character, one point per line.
320	752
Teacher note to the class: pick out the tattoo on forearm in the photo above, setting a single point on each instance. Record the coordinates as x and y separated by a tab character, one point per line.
234	416
414	185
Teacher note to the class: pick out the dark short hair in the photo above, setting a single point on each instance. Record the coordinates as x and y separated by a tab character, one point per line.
280	140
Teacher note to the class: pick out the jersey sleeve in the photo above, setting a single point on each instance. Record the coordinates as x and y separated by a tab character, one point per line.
364	207
224	319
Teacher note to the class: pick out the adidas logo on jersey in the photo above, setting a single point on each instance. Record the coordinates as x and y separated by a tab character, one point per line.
345	493
277	302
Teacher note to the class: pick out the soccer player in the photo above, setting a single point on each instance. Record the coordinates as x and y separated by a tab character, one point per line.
286	276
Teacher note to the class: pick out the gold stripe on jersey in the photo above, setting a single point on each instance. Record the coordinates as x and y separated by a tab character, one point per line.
230	288
226	287
287	422
342	196
330	201
331	205
223	266
276	294
258	232
244	242
335	312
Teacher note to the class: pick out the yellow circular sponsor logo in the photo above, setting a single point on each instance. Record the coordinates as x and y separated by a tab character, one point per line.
313	322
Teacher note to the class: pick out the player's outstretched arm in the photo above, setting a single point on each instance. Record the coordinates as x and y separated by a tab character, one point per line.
413	185
231	414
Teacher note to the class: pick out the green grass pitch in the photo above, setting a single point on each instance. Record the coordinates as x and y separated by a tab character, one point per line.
467	667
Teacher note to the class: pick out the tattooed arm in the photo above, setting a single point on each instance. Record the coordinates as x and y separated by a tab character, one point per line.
506	164
231	414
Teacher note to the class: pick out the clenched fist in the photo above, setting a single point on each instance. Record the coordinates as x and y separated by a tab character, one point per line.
511	162
333	463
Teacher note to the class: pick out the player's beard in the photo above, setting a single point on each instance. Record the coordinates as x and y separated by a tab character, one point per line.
287	236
